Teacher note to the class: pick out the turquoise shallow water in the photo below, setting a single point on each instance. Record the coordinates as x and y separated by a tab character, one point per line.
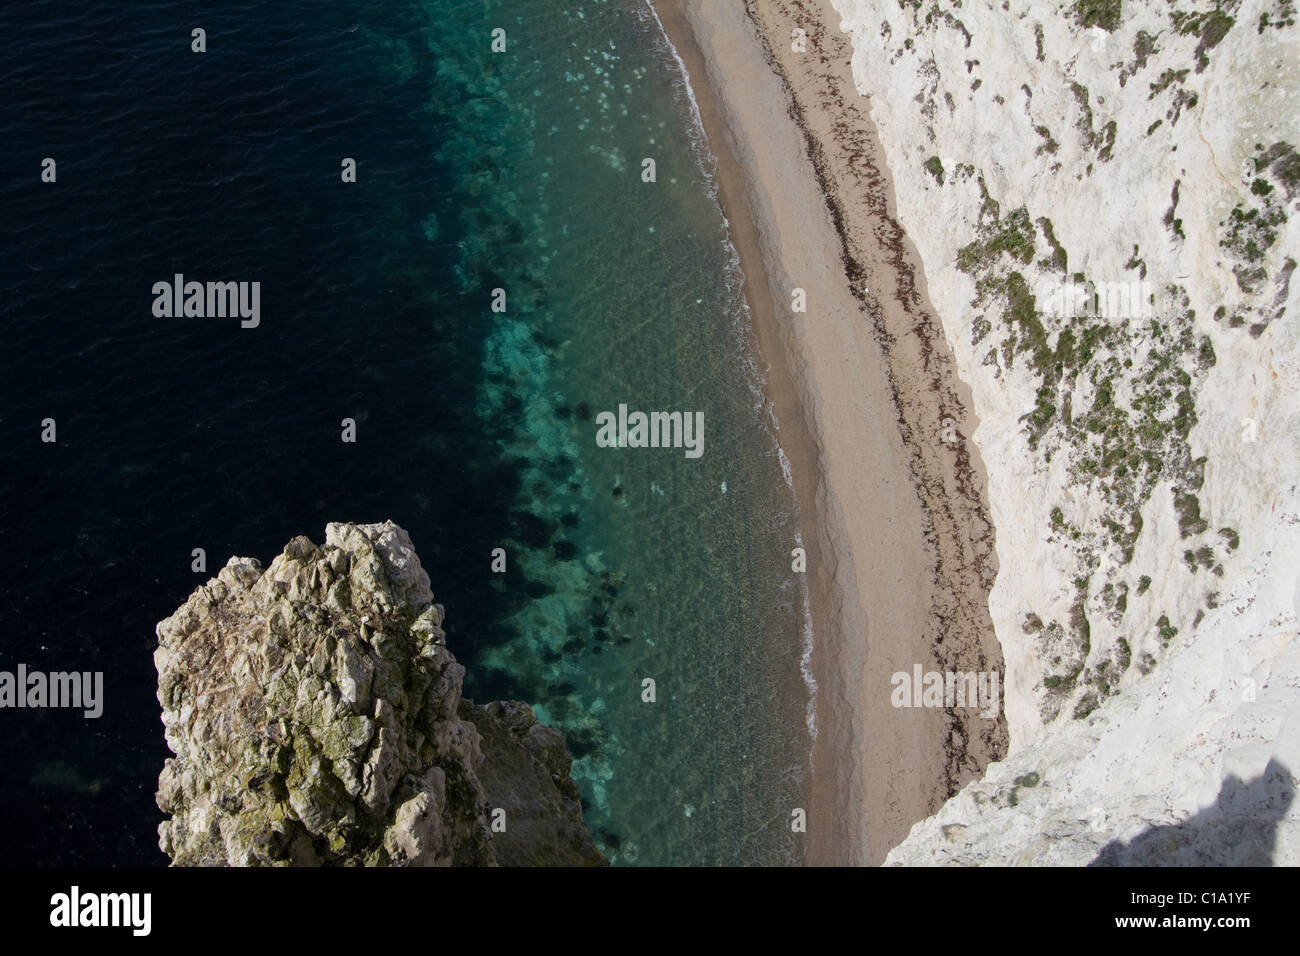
654	565
477	429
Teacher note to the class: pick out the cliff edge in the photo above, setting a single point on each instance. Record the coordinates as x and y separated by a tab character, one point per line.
316	718
1104	197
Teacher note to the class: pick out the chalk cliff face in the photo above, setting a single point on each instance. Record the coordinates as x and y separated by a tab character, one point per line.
316	718
1184	768
1104	195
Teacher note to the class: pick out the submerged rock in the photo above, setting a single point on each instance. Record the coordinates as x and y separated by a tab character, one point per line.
316	718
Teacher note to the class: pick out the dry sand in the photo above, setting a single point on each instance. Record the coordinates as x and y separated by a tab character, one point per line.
894	518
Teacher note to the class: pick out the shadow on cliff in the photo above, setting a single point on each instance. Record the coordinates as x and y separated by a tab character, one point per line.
1240	829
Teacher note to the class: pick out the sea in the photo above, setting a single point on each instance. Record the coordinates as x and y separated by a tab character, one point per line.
532	239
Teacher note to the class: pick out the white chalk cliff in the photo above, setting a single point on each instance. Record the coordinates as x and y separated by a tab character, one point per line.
1143	452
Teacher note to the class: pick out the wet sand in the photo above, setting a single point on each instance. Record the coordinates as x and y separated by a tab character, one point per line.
894	518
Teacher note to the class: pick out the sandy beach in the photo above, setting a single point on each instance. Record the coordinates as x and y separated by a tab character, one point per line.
900	546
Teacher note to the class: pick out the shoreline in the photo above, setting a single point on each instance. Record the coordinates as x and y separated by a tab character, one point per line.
899	545
782	385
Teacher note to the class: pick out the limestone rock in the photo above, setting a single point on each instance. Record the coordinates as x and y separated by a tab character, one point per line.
315	715
528	777
1143	485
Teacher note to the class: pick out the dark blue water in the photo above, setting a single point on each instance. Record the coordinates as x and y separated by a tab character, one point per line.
474	430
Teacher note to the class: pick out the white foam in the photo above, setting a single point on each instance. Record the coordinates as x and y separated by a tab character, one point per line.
699	140
757	379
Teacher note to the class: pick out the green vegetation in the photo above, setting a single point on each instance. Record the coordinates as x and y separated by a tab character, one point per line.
1048	145
1125	654
1165	79
1205	357
1188	507
1125	451
1251	233
934	166
1107	140
1087	704
1059	259
1285	13
1115	599
1216	28
1135	263
1167	631
1144	44
1210	26
1182	98
1174	225
1115	396
1079	625
1098	13
1102	140
1013	236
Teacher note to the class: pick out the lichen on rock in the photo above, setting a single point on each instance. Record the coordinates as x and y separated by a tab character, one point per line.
316	718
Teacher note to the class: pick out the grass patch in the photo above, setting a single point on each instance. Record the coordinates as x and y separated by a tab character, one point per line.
1059	260
1099	13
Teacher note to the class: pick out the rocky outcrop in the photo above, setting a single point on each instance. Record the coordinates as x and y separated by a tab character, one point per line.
315	715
